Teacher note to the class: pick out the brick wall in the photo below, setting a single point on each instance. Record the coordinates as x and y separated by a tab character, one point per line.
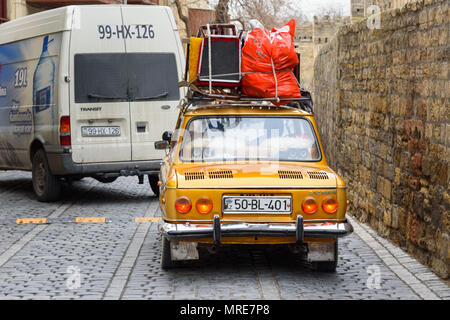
382	106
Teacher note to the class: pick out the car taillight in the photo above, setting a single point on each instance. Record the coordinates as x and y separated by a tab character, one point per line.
64	131
204	205
309	205
329	205
183	205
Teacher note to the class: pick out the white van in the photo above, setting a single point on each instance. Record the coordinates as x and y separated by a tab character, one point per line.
86	91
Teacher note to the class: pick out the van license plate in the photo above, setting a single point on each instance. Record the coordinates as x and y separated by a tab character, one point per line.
258	204
100	131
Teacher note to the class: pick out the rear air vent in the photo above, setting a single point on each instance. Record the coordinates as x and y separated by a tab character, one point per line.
194	175
320	175
220	174
290	174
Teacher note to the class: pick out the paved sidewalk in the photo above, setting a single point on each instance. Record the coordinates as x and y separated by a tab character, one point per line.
118	257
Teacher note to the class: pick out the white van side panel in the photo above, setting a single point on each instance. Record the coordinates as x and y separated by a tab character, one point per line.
85	40
63	79
28	93
150	118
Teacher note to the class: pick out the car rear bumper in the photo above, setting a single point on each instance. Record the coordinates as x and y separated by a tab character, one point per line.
217	230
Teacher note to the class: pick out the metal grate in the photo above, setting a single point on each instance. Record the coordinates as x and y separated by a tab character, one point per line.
290	174
220	174
194	175
320	175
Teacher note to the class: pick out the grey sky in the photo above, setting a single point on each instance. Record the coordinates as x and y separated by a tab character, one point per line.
313	7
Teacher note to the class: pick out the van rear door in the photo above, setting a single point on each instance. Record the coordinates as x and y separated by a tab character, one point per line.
99	95
156	66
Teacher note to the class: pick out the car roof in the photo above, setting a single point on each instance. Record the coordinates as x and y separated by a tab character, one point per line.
244	109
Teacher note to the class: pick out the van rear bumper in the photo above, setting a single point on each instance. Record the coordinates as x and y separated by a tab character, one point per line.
62	164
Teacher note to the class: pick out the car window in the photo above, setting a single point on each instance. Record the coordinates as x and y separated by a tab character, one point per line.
234	138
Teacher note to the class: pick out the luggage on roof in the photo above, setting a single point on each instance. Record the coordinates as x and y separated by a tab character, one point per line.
221	65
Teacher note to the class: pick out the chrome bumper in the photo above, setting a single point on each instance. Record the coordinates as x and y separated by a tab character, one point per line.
216	230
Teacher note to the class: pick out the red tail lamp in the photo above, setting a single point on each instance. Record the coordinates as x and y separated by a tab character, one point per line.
309	205
329	205
64	131
204	205
183	205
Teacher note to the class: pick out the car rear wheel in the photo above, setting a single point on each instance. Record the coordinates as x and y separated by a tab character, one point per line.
47	187
166	256
153	181
325	266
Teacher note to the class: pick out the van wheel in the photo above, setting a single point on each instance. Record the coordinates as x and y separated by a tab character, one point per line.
47	187
153	180
166	256
106	180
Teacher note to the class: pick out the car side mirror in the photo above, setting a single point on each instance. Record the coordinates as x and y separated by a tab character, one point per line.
161	145
167	136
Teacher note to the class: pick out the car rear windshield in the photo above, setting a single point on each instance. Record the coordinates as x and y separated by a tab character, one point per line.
236	138
115	77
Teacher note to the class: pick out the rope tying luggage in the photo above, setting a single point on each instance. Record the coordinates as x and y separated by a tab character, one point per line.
209	58
275	78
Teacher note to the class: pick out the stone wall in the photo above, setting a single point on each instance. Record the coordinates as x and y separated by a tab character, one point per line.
382	106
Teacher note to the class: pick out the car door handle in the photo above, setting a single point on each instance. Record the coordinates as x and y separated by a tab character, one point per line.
165	107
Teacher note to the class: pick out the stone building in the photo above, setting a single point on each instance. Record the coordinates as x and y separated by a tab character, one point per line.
358	8
198	12
309	36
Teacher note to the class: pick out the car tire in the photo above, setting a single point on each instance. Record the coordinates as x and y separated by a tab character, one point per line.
327	266
46	186
76	178
106	180
153	181
324	266
166	256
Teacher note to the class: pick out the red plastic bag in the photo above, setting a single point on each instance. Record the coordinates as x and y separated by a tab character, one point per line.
261	49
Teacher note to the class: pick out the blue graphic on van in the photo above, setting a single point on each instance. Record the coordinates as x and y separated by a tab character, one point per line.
43	88
27	105
42	99
22	119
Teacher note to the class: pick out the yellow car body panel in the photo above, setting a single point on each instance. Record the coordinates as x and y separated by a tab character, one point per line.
248	178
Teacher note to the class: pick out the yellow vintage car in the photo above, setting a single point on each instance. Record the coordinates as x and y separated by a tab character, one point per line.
249	174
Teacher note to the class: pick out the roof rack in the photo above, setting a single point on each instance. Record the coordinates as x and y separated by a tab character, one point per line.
197	95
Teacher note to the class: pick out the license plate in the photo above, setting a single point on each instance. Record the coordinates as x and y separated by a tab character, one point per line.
258	204
100	131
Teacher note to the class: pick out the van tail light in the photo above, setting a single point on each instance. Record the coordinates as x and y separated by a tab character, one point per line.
204	205
309	205
64	131
329	205
183	205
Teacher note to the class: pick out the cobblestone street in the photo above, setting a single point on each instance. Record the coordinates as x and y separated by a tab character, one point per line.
119	259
